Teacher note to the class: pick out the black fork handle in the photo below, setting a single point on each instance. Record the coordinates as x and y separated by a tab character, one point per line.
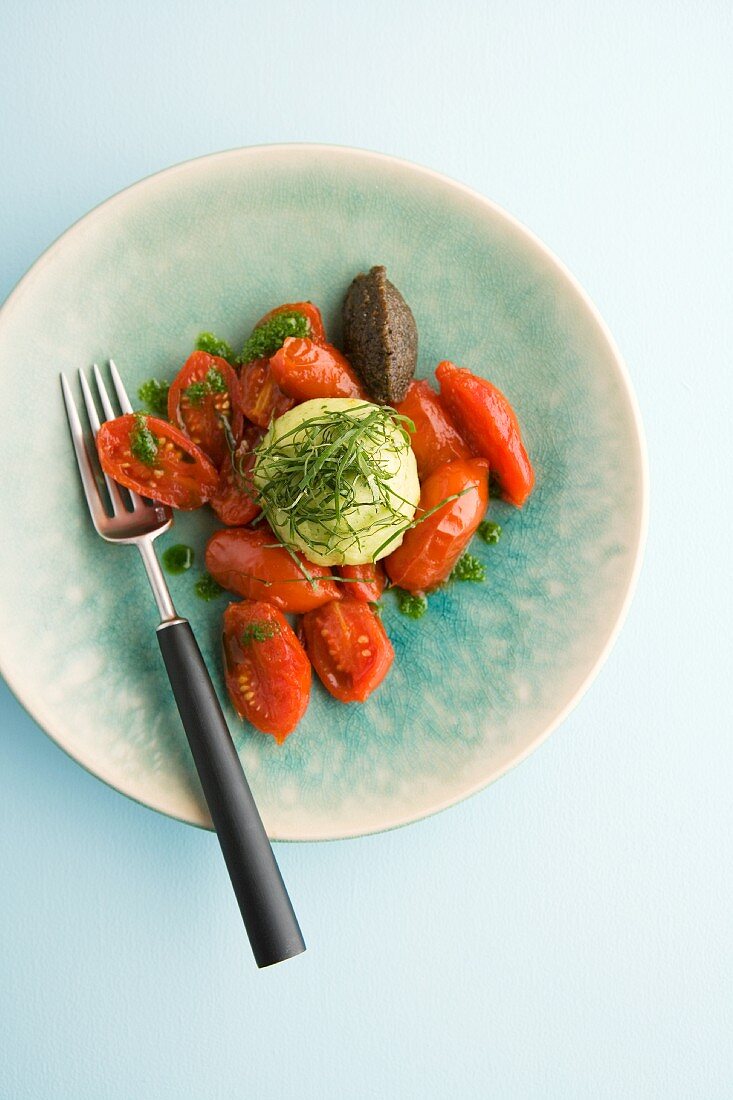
268	915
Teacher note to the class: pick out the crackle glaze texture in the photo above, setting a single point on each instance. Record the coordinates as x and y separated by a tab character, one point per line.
212	245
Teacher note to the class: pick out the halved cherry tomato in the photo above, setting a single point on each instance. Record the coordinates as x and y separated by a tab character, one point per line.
268	674
260	397
156	460
430	550
305	369
250	563
490	427
310	312
436	440
204	390
365	582
234	501
349	648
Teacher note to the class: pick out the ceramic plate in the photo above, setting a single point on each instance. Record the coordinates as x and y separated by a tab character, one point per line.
492	668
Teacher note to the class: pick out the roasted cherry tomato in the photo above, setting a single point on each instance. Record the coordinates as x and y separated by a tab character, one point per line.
431	549
490	427
156	460
268	674
365	582
204	390
349	648
250	563
436	440
234	501
310	312
304	369
260	397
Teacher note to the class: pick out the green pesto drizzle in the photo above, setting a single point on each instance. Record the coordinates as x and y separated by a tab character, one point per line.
212	382
206	341
266	339
143	445
258	631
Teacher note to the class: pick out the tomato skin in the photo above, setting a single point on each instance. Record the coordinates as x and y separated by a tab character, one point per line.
246	562
430	550
200	421
234	503
260	397
436	440
310	312
268	679
349	648
305	369
490	427
366	582
170	479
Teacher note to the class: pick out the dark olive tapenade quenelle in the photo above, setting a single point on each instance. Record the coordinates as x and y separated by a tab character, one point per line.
380	336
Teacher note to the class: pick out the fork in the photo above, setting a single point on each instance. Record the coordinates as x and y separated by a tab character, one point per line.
268	915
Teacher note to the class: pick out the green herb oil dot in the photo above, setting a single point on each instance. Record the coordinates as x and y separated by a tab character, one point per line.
177	559
490	532
412	606
469	568
206	587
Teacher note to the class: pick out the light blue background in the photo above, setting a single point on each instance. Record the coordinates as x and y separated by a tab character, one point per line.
567	932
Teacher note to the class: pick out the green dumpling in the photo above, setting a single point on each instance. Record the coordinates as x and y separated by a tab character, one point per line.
337	480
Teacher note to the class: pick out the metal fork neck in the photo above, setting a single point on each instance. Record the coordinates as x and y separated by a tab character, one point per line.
157	581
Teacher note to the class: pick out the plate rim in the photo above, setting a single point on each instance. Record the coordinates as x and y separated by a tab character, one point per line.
522	230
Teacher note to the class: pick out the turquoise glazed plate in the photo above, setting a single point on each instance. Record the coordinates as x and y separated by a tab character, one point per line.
492	668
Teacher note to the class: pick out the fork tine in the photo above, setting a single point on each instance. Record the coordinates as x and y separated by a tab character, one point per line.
109	412
126	406
122	397
86	471
115	497
89	402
